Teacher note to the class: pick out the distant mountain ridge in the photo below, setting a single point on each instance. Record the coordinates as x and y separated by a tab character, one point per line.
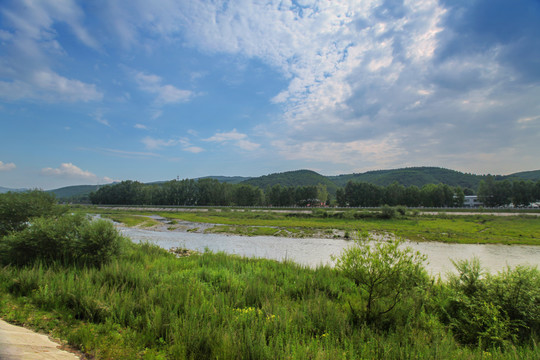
418	176
5	190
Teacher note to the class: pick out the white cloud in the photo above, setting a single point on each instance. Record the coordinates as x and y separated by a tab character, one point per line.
383	152
227	136
31	48
193	149
70	171
154	144
128	154
166	94
238	139
98	116
7	166
141	127
49	86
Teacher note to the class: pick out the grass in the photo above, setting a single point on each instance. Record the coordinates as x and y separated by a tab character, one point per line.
466	229
132	220
148	304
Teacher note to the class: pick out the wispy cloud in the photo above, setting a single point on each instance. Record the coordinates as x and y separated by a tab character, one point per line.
140	127
184	143
30	48
7	166
98	116
238	139
165	93
70	171
48	86
127	154
153	143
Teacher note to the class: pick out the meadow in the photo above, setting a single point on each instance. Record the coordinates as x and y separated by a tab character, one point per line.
80	281
476	228
149	304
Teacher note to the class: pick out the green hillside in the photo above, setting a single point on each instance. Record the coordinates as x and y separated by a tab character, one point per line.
77	193
418	176
227	179
525	175
293	178
5	190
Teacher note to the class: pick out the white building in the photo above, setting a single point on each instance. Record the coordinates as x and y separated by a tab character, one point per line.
472	201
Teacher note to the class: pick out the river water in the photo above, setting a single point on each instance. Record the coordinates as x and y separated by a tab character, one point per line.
317	251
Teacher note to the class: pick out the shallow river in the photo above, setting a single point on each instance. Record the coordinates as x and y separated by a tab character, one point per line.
315	251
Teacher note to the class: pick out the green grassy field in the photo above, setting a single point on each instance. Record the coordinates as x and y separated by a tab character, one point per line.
148	304
445	227
81	281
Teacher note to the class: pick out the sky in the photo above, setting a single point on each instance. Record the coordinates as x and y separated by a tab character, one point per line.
98	91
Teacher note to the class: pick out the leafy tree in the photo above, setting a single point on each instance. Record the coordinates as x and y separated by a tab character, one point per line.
385	272
494	193
522	193
459	197
322	193
394	194
16	209
248	195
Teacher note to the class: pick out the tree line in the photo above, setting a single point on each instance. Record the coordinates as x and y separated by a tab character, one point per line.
211	192
363	194
207	192
494	193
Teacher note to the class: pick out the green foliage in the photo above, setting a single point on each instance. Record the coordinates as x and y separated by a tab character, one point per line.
16	209
385	273
68	239
417	176
493	310
149	304
296	178
388	212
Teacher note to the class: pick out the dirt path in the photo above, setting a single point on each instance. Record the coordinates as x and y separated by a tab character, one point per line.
18	343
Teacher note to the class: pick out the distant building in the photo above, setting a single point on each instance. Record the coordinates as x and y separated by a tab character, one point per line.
472	201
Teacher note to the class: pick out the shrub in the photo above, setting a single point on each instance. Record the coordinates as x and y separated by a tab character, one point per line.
16	209
402	210
493	310
69	239
388	212
385	273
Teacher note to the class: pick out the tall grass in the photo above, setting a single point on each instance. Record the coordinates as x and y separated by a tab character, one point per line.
149	304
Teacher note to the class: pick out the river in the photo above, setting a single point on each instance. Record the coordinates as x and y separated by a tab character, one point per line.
317	251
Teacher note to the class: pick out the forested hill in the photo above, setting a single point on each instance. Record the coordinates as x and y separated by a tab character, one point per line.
525	175
227	179
418	176
293	178
76	193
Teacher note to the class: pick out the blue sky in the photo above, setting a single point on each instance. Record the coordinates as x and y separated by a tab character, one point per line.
97	91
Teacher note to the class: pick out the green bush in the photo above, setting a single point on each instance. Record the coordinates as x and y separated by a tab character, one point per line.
493	310
388	212
16	209
402	210
68	239
385	274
